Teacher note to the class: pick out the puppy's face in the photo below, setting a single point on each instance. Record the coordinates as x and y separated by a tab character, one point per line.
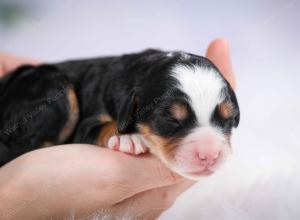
185	111
189	125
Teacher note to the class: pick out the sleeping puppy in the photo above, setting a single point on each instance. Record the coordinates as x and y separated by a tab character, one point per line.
176	105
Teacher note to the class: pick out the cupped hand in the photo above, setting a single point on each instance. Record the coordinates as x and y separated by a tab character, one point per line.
77	179
81	180
9	62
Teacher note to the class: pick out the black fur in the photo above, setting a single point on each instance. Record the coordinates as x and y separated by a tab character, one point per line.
131	89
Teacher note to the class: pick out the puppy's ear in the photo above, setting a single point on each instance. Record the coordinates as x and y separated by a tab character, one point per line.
126	114
236	119
233	100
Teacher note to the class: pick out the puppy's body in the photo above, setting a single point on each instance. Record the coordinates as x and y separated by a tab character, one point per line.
157	100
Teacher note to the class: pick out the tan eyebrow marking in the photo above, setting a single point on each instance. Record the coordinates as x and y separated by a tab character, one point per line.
225	109
179	111
105	118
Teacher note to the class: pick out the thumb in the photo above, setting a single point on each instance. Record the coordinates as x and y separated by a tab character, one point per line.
9	62
218	52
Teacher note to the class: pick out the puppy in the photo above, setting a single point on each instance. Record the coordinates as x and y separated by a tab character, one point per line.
176	105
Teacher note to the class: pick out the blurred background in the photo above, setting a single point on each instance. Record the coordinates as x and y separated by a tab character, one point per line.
261	180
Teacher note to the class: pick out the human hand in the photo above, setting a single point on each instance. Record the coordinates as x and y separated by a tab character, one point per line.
80	180
9	62
218	52
84	179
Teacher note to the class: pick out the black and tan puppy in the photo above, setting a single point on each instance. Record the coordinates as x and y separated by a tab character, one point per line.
175	104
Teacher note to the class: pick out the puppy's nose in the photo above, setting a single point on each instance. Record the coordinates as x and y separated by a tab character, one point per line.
209	157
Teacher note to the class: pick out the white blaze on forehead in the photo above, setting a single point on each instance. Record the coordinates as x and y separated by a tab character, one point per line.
203	86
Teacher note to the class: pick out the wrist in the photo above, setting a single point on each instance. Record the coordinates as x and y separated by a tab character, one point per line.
17	195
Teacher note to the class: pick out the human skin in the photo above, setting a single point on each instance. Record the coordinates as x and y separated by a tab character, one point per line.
80	180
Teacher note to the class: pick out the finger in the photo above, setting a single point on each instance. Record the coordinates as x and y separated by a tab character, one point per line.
218	52
9	62
127	175
120	175
150	204
144	172
61	172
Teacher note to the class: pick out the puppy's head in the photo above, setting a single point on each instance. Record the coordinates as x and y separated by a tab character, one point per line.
186	115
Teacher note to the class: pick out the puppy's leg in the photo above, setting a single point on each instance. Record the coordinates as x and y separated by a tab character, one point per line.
94	131
128	143
38	109
102	131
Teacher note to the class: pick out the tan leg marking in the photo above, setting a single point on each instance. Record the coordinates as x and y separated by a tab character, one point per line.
73	116
108	130
103	118
46	144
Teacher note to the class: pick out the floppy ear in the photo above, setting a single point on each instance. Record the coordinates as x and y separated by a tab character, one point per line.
233	99
126	114
236	119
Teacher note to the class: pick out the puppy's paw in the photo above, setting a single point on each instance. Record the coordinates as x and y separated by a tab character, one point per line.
129	143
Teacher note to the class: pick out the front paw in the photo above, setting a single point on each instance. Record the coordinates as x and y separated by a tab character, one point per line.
128	143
